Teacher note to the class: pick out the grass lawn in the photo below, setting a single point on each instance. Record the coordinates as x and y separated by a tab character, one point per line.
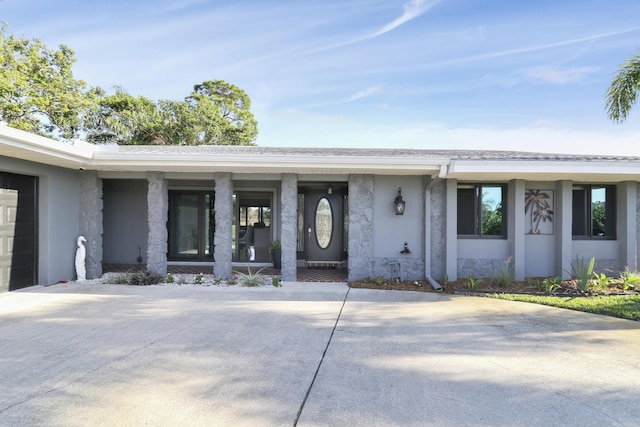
625	306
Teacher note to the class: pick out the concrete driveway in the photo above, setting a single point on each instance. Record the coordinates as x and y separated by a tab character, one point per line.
307	355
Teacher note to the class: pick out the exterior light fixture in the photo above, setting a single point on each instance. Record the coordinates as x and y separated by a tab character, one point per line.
330	189
399	203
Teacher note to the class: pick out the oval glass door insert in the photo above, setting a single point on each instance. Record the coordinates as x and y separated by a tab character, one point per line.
324	223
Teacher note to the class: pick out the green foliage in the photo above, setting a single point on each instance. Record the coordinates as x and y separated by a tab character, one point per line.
215	113
170	278
38	92
629	279
505	276
199	279
276	281
233	280
623	90
599	283
599	216
379	280
550	285
118	279
472	282
582	272
491	220
217	280
251	279
276	244
625	307
145	278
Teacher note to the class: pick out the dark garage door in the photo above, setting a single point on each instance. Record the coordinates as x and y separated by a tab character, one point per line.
18	231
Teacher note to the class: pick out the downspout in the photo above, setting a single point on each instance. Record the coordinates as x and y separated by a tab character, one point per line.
427	229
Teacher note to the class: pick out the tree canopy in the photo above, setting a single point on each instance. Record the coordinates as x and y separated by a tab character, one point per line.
623	90
39	94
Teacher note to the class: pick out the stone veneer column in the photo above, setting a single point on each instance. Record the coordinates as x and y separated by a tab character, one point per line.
157	212
360	226
438	230
222	236
91	221
289	226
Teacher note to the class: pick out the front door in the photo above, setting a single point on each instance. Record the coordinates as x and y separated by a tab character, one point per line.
18	231
323	225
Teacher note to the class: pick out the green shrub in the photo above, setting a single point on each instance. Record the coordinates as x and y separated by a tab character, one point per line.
199	279
629	279
170	278
582	272
472	282
251	279
118	279
599	283
505	276
275	281
552	285
145	278
380	281
217	280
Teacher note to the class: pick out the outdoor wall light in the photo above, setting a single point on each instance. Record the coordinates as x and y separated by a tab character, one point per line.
406	249
399	203
330	189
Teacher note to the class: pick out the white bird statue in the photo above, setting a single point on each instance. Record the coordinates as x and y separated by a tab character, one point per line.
81	254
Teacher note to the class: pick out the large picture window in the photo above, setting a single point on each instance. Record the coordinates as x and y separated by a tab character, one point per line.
594	212
191	225
481	210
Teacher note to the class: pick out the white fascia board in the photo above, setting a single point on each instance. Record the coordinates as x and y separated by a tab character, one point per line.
38	148
252	163
536	168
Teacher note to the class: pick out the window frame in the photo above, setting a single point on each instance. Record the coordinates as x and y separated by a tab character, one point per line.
587	214
477	209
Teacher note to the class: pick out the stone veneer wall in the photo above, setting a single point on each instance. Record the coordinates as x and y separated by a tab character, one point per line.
222	252
360	226
289	226
157	212
438	232
91	221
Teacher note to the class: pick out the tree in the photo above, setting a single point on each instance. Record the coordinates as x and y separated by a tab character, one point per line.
215	113
38	92
623	90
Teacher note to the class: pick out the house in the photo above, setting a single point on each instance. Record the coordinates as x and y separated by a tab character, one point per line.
465	212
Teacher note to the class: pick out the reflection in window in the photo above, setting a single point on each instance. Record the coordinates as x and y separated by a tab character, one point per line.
594	211
324	223
481	210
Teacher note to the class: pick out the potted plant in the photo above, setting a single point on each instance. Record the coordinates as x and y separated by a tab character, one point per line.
275	249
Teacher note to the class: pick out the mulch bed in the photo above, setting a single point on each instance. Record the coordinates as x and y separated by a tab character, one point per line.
568	287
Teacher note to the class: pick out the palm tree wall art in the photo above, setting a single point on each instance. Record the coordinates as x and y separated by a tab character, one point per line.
538	207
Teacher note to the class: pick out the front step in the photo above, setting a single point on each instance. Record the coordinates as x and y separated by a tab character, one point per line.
324	264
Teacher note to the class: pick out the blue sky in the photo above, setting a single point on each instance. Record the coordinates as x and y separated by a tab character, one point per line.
480	74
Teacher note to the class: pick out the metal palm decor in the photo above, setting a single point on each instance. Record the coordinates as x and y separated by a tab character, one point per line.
537	205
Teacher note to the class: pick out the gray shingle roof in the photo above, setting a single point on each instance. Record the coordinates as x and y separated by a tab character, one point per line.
222	150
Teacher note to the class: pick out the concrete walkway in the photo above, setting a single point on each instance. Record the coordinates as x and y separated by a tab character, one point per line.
307	355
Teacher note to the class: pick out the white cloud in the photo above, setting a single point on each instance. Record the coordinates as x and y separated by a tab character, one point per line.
412	10
557	75
364	93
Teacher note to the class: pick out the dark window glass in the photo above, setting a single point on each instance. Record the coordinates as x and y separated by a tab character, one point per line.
594	212
481	210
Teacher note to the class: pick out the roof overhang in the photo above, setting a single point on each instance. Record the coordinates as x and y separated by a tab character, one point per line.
548	170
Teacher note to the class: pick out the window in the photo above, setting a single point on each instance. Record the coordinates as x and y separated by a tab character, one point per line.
191	225
481	210
594	212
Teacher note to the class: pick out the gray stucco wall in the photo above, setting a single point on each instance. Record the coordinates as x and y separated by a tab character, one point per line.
125	220
58	217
